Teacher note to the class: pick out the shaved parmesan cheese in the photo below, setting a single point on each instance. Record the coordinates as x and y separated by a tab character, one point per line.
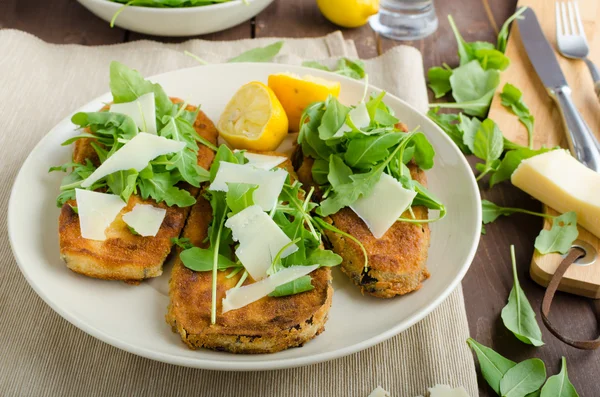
384	205
142	111
96	212
360	118
136	154
145	219
239	297
379	392
447	391
269	183
262	161
260	240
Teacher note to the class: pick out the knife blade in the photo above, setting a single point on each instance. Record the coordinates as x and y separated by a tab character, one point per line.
540	52
583	144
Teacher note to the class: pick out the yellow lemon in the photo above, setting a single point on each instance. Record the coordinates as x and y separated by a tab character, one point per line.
296	93
254	119
348	13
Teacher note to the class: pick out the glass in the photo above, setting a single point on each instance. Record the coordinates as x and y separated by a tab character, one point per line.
405	19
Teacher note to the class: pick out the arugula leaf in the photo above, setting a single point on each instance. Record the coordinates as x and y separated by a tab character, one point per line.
488	145
260	54
559	385
490	212
517	315
123	183
319	170
511	161
439	80
107	126
468	127
223	154
240	196
490	58
512	98
423	150
323	258
345	67
473	88
201	260
301	284
524	378
560	237
333	118
183	242
503	35
448	123
127	85
493	366
161	188
339	172
363	153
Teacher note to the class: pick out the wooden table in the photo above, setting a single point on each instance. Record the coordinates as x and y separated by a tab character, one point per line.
488	282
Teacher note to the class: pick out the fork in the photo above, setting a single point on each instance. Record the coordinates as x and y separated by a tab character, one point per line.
571	39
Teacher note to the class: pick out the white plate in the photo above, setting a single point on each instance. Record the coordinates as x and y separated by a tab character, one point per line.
132	317
173	22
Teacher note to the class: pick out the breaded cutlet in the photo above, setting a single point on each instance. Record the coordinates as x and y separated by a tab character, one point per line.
123	255
397	260
268	325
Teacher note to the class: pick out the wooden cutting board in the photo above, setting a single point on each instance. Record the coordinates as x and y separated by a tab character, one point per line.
549	130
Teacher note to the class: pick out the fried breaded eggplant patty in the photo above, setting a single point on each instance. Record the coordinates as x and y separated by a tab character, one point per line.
123	255
397	261
266	326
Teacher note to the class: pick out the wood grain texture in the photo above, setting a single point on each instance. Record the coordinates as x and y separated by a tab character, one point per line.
302	18
487	284
58	21
549	130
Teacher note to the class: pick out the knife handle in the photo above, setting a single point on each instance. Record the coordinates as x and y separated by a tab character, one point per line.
582	141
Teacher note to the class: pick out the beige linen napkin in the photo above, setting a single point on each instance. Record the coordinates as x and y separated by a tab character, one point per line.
43	355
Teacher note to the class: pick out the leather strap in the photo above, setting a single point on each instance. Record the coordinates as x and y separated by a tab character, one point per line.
573	255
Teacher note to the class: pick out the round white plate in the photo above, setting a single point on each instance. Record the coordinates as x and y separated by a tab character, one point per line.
174	22
132	317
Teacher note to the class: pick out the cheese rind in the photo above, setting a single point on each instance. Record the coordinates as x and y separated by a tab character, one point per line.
96	212
558	180
239	297
142	111
135	154
145	219
260	240
380	210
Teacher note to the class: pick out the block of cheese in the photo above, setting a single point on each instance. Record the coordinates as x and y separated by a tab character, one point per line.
564	184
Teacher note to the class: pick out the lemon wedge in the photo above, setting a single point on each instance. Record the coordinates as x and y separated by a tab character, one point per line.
254	119
348	13
296	93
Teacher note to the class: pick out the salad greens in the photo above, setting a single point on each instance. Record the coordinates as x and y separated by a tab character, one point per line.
517	315
346	67
558	239
512	98
260	54
293	214
349	160
524	379
162	179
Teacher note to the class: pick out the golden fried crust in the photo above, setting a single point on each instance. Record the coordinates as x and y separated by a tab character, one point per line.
124	256
397	261
265	326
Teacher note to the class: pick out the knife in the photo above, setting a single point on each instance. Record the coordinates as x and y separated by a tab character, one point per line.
582	142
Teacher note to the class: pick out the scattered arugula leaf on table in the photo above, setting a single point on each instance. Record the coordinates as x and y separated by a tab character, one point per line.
518	316
524	378
493	365
559	385
560	237
439	80
512	98
503	34
488	146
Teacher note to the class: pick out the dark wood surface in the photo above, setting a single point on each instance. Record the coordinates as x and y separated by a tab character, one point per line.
489	280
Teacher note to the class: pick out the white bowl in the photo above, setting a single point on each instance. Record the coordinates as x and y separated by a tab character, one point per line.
185	21
132	317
